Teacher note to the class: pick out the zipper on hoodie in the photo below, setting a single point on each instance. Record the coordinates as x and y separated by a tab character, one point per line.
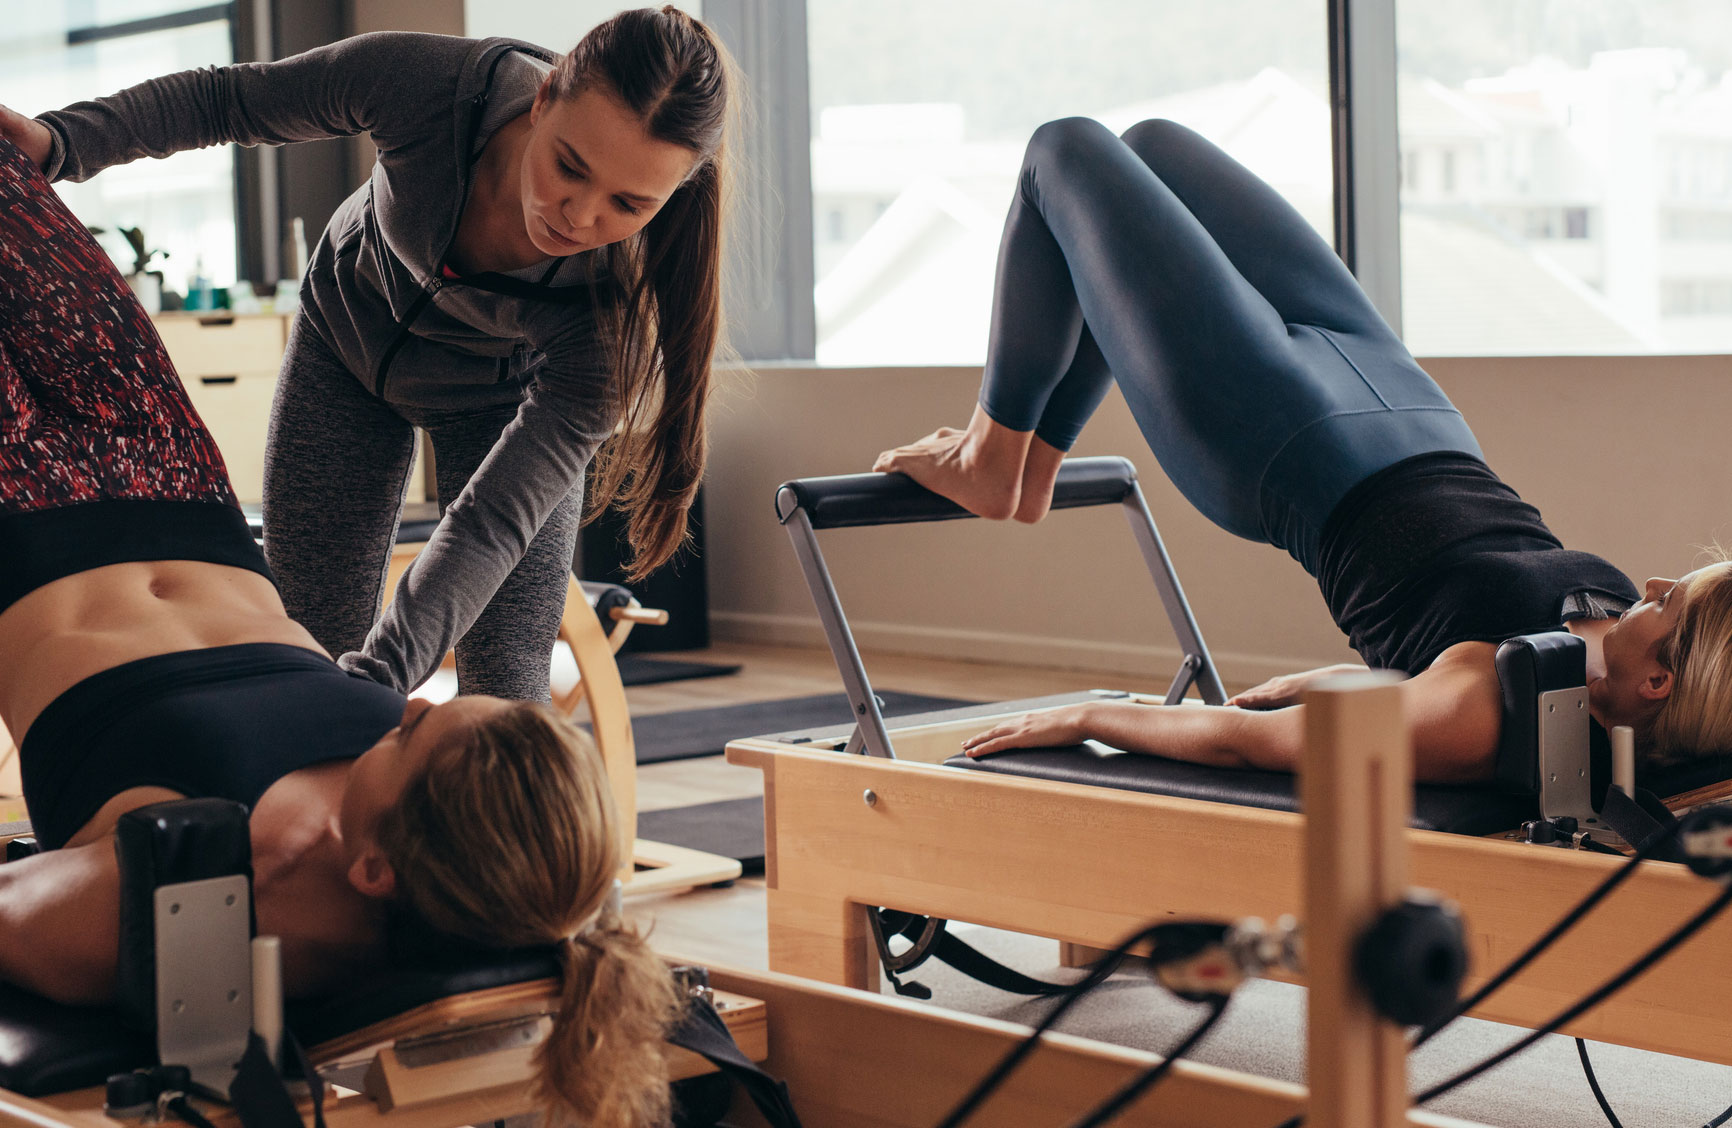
476	105
438	282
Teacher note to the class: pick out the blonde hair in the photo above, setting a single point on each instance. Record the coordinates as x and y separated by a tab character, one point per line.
1696	720
674	75
509	839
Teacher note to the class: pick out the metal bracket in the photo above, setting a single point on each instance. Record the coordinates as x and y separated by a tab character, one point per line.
1566	787
204	978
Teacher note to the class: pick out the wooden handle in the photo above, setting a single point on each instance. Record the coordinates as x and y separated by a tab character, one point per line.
650	615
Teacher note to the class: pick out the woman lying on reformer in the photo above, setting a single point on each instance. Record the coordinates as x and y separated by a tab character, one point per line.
145	655
1284	409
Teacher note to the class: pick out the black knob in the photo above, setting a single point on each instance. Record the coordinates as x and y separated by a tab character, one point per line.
1412	960
1706	837
129	1095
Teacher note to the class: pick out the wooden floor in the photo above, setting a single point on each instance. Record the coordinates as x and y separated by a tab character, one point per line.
727	925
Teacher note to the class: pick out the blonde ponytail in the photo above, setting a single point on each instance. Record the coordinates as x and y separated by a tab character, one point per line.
603	1065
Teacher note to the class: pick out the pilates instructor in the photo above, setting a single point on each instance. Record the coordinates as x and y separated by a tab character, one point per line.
533	263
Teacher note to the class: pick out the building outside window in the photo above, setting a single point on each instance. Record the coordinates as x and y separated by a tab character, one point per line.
1591	209
921	112
55	52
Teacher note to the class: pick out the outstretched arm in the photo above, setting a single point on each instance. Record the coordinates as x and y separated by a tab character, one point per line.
392	84
1218	736
60	923
1287	689
1453	710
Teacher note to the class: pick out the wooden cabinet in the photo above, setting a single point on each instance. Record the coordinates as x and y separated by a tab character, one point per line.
228	363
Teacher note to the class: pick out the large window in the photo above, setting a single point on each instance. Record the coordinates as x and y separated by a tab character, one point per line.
920	112
1566	175
61	51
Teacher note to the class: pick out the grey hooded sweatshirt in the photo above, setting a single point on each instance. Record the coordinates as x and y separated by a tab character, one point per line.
375	291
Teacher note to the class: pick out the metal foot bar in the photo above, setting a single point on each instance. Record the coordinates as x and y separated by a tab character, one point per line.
806	505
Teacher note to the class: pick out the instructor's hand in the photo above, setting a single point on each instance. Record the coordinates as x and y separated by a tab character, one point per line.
28	134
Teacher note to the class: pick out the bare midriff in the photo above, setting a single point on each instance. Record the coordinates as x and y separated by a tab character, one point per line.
81	625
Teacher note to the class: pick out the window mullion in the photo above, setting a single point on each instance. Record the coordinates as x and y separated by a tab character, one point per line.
770	272
1367	144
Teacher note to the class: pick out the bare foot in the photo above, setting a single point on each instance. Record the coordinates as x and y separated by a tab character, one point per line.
1039	473
979	468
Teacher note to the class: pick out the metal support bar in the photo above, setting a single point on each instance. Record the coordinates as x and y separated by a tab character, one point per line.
869	720
1179	615
870	734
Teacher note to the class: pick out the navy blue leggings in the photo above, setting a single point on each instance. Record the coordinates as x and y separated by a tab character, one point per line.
1262	377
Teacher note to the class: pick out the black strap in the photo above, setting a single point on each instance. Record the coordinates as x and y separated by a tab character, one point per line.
1641	821
258	1094
703	1032
260	1098
959	954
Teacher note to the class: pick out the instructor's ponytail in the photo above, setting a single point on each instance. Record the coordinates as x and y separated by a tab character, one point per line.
672	73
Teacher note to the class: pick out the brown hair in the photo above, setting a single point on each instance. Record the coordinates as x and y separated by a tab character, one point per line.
672	73
1696	720
509	839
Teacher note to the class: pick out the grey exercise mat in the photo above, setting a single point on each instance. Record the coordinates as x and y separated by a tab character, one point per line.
635	669
733	828
706	732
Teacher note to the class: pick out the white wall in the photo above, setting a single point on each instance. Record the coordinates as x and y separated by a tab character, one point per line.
1625	456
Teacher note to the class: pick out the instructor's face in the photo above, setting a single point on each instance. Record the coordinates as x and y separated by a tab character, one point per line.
592	175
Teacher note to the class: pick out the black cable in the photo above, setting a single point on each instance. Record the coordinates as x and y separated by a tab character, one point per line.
1719	1120
1096	976
1564	924
1116	1103
1593	999
1594	1084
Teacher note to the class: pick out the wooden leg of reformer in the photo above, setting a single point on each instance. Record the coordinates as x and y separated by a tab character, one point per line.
1079	955
817	937
1356	794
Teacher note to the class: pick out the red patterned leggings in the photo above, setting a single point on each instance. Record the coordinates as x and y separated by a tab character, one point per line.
90	406
102	459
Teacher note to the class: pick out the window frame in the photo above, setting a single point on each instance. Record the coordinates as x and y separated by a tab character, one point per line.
776	318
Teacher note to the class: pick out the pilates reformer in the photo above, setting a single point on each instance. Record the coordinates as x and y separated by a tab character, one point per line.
1079	844
597	620
433	1049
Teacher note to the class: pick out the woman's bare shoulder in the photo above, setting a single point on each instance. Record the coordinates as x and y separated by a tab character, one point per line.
1465	656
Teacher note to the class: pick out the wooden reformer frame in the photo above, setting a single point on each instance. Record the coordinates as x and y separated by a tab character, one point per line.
857	1060
1083	865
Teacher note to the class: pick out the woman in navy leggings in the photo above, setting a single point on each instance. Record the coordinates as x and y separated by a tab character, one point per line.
1287	412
